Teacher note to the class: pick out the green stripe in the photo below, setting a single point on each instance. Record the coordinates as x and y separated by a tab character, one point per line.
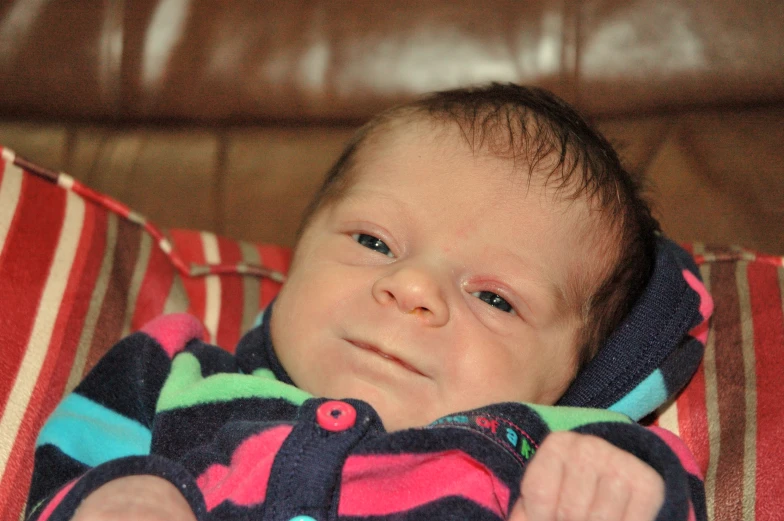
185	386
264	373
567	418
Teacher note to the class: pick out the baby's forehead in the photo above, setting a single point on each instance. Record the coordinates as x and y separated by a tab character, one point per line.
515	177
548	176
552	178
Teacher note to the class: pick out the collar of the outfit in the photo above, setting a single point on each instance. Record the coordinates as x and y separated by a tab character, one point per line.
647	359
655	351
516	428
255	349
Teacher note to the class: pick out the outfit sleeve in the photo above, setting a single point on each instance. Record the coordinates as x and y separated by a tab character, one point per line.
694	476
684	494
103	429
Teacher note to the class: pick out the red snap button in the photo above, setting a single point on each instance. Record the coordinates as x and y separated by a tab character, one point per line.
336	416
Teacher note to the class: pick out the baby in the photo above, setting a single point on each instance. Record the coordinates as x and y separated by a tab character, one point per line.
470	253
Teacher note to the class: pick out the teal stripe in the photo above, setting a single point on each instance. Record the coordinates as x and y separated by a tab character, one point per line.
644	398
93	434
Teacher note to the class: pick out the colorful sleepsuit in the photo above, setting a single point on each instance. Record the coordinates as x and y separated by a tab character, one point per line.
240	441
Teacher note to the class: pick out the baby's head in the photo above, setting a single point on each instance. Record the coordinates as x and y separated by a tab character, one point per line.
473	247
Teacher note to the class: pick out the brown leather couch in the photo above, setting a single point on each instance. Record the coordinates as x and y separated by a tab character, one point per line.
223	115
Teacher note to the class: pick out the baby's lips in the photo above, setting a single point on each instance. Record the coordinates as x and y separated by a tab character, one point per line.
371	347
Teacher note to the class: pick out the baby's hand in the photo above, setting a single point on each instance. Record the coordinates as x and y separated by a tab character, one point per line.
135	498
576	477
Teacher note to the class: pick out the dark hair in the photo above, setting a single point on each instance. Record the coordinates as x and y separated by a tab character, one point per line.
512	121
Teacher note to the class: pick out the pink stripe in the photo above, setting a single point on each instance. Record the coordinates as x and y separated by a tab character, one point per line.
244	481
385	484
174	331
680	449
56	500
700	332
687	459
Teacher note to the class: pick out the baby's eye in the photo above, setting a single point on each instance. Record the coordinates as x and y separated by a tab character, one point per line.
374	243
495	300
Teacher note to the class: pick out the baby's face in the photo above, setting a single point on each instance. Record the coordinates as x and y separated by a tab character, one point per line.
438	282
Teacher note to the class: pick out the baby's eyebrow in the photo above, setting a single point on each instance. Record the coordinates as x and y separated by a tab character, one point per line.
563	303
550	300
541	293
556	298
354	194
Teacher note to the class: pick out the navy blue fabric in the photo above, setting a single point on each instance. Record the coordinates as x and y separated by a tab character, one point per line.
255	349
654	331
305	476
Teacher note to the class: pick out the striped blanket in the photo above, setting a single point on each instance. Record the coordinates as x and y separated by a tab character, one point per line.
79	270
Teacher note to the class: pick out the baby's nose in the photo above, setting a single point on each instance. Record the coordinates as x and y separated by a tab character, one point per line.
414	291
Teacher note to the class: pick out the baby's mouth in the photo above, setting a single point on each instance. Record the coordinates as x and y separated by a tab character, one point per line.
382	354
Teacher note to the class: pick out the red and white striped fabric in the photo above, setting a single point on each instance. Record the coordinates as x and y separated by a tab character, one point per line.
731	415
79	270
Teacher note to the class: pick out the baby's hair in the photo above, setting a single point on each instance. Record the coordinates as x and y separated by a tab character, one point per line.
515	122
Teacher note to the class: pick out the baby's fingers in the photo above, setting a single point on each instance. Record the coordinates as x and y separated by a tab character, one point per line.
578	477
135	498
611	499
647	493
581	478
541	486
628	489
518	512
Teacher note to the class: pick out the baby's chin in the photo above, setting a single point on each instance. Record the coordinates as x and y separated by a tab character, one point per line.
395	414
394	421
398	417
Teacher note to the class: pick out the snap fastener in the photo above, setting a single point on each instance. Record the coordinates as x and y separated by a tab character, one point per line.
302	518
336	416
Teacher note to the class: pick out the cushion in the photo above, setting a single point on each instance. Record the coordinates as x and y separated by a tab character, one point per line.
731	415
79	270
